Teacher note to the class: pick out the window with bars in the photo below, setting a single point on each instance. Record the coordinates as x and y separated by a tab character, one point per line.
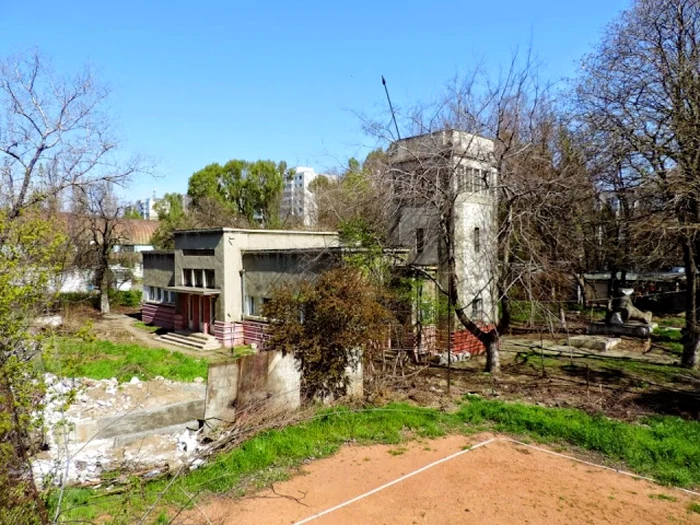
477	309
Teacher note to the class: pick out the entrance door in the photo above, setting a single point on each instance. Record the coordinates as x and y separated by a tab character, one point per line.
212	314
202	317
190	313
207	315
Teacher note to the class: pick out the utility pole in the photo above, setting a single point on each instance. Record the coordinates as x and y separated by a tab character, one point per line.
391	107
450	315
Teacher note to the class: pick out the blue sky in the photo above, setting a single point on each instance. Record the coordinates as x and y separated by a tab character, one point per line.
199	82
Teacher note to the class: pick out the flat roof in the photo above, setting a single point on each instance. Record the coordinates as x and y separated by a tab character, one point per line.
343	249
244	230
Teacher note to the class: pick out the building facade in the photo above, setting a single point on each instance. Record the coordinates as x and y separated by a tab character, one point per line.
446	181
216	281
298	202
146	208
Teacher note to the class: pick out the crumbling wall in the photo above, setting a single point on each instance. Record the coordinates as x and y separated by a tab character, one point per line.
264	381
267	380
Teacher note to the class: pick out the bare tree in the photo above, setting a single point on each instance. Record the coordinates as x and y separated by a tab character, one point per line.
641	92
97	226
488	181
54	134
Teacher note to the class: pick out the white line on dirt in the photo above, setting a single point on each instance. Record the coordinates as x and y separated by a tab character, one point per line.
398	480
572	458
456	454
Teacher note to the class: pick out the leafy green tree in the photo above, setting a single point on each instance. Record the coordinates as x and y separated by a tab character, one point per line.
172	215
248	190
130	212
27	264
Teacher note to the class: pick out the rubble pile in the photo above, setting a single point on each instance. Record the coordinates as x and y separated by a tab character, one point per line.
79	413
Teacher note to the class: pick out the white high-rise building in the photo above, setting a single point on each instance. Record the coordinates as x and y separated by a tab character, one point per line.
146	208
297	200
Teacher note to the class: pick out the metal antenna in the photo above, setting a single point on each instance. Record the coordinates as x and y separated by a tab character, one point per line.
393	116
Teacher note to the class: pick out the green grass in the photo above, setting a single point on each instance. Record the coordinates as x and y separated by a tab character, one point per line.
677	321
103	360
668	339
632	370
241	351
147	327
694	507
663	497
666	448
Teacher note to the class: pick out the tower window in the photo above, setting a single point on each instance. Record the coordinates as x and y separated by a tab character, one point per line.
477	309
477	240
420	240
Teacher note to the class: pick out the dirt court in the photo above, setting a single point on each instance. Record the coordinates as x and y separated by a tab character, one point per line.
498	482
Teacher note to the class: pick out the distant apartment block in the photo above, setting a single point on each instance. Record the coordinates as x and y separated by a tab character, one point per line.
146	208
298	201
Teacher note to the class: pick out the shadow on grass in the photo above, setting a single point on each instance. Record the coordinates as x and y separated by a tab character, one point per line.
670	403
606	375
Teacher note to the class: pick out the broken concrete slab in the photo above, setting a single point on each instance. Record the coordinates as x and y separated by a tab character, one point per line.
151	419
629	329
592	342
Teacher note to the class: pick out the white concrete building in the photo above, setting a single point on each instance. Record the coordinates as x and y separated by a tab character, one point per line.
297	200
421	166
146	208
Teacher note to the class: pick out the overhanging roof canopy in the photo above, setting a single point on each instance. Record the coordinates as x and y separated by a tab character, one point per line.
193	290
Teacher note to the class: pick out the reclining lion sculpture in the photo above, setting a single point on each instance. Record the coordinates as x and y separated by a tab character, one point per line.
621	310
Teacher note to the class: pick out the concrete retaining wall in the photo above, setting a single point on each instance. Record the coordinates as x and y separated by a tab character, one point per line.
267	380
264	381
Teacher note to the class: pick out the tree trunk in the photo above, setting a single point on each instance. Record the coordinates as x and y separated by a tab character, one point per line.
562	316
493	362
104	301
581	282
691	349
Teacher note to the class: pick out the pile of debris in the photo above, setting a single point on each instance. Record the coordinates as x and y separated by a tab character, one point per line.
96	426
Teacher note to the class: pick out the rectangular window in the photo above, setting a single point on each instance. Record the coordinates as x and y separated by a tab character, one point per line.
420	240
209	281
477	309
251	305
198	252
198	278
477	240
187	277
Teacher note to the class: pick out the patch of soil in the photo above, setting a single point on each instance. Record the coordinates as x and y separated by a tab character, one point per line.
500	482
612	385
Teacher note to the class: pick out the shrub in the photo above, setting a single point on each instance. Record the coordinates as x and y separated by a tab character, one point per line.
129	298
327	325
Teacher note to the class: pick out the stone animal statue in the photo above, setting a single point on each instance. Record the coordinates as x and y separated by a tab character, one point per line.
621	310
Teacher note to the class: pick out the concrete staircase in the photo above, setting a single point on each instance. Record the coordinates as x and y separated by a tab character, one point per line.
191	340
